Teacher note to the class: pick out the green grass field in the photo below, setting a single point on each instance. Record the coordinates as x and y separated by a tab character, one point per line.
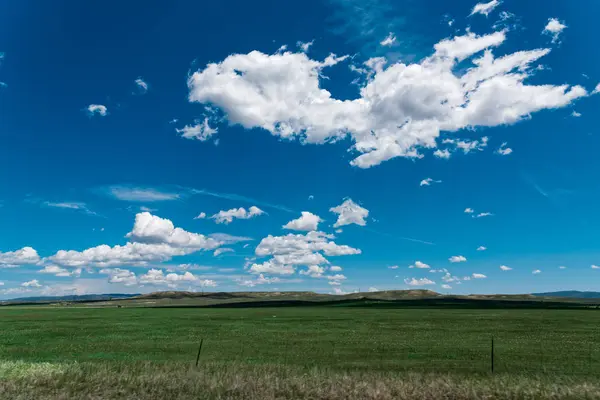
564	344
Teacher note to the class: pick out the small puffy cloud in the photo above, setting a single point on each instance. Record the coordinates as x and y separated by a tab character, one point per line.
393	267
485	8
428	182
202	215
25	256
31	284
304	46
503	150
336	277
595	267
418	282
420	265
537	271
314	271
472	145
201	130
373	289
446	286
389	40
272	268
335	268
469	210
350	213
478	276
554	28
222	250
158	277
575	114
120	276
60	272
129	193
226	217
307	222
481	248
562	267
457	259
97	109
505	268
260	280
445	154
142	86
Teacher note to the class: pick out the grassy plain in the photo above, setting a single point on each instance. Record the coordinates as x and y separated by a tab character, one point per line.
306	352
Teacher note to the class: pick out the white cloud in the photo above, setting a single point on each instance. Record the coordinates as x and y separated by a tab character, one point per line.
469	210
483	214
373	289
418	282
575	114
389	40
304	46
505	268
222	250
70	206
554	28
428	182
419	264
595	267
478	276
226	217
260	280
350	213
60	272
314	271
471	145
457	259
335	268
202	215
445	154
485	8
127	193
272	268
503	150
31	284
152	239
401	108
118	275
446	286
481	248
537	271
393	267
201	130
97	109
291	250
142	85
25	256
152	229
562	267
336	277
307	222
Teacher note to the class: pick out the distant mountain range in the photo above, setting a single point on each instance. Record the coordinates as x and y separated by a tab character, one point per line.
84	297
575	294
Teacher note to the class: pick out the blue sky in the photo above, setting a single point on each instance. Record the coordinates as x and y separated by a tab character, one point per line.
121	123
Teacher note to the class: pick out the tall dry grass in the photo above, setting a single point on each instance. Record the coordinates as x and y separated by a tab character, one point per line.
19	380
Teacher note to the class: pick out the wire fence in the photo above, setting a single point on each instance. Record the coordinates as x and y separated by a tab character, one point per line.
488	356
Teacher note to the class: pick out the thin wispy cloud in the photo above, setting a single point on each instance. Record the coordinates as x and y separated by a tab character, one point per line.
245	199
78	206
139	193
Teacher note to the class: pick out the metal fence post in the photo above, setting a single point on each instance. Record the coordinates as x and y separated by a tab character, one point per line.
199	350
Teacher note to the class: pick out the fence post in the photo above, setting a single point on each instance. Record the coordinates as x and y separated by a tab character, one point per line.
199	350
492	354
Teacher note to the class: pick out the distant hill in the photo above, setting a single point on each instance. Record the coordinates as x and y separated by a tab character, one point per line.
575	294
84	297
